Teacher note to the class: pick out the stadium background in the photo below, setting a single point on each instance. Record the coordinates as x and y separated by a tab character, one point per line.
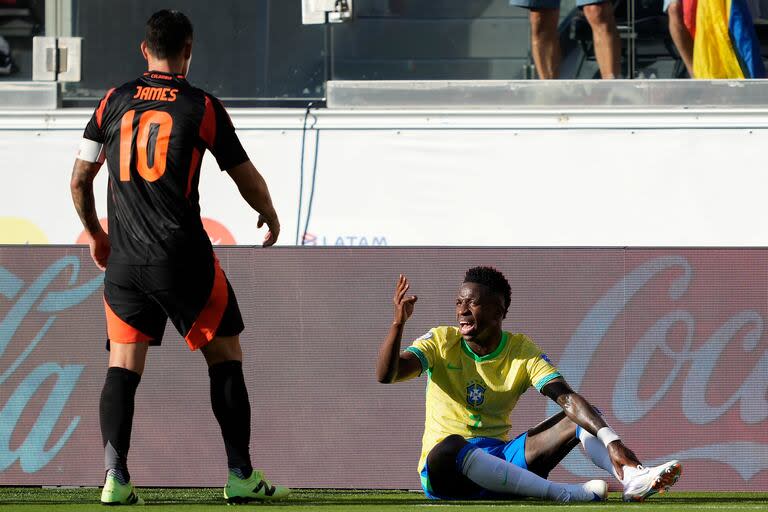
443	184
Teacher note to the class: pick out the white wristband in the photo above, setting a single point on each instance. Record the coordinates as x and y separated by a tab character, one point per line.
606	435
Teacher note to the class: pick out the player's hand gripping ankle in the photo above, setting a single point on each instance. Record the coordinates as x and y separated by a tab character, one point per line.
622	456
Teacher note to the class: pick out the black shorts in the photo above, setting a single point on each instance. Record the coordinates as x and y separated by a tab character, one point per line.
195	294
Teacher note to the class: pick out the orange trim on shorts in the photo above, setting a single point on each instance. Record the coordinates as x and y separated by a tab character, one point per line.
204	328
118	331
208	126
102	106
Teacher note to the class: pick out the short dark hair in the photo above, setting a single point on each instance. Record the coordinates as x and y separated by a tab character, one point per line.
494	280
167	33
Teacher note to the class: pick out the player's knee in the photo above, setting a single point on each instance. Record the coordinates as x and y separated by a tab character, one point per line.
443	455
452	443
221	349
130	356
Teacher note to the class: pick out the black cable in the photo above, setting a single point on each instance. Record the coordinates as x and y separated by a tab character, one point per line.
301	172
312	190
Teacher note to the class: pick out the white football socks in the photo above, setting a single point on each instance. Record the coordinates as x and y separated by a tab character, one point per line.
500	476
596	451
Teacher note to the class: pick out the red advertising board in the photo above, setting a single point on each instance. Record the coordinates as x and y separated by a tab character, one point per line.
668	343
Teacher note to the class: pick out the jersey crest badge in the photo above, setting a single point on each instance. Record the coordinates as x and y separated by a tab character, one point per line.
547	359
426	336
475	394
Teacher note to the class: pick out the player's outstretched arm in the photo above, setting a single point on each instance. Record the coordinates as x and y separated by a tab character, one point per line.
254	190
581	412
81	186
393	365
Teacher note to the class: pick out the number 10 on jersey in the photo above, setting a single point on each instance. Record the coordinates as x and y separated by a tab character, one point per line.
154	134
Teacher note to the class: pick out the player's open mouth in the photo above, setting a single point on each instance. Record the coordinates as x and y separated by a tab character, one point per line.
466	327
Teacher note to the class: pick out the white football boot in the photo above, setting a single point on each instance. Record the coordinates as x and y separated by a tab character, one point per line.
644	482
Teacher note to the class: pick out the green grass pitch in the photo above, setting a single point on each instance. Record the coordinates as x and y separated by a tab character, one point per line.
34	499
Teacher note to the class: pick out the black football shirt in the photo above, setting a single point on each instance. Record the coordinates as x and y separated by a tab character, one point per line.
154	132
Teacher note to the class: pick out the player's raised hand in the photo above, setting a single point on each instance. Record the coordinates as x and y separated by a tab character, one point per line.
621	456
274	229
404	304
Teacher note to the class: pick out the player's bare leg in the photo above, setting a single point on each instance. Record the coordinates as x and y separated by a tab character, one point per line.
229	400
116	406
221	349
131	356
549	442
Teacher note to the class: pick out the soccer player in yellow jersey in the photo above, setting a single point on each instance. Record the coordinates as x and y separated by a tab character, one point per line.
476	374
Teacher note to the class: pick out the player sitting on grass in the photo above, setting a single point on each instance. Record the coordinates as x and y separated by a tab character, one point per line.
476	374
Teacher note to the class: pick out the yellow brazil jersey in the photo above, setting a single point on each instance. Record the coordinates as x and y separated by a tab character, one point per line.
473	395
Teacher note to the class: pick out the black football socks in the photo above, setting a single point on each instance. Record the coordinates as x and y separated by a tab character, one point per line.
116	417
229	399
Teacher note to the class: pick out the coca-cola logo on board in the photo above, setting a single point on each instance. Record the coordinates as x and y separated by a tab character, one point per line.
681	374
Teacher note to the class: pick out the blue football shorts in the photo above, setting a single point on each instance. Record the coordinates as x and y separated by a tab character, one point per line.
512	451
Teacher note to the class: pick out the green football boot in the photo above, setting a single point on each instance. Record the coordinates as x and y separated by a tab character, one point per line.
115	493
253	488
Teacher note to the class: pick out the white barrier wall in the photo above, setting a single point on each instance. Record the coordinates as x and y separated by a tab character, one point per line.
461	178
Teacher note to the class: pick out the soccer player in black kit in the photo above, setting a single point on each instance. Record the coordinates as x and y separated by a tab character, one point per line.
158	259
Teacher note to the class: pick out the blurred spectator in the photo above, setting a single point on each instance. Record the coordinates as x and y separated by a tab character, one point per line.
5	57
545	39
15	22
5	49
679	32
